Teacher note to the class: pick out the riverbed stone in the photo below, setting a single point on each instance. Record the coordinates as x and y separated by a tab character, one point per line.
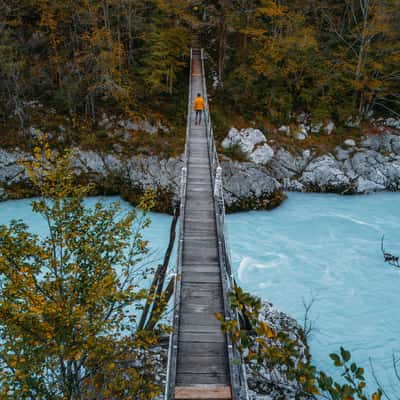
350	142
284	129
329	127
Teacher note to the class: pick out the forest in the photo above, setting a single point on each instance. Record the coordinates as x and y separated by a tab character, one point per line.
267	59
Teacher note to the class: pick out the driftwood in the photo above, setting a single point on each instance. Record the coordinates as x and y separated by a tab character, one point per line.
388	257
158	297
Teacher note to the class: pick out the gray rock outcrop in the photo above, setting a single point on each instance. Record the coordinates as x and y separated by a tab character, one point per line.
373	165
246	185
249	186
369	166
272	383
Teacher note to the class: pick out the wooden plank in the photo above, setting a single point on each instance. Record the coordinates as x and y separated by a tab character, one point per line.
203	229
209	287
201	277
201	349
198	299
204	379
201	337
194	180
199	196
202	321
193	251
213	364
202	290
200	257
196	213
202	241
203	392
201	268
196	254
198	307
200	229
201	206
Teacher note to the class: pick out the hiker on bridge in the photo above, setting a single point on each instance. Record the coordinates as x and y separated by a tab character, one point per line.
199	108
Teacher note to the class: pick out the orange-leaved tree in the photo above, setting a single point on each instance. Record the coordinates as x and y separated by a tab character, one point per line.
68	301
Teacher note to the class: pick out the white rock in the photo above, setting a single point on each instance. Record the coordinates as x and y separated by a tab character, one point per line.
342	154
367	186
329	127
304	128
262	154
35	133
353	122
284	129
325	173
317	128
247	139
306	154
301	136
350	142
302	117
393	123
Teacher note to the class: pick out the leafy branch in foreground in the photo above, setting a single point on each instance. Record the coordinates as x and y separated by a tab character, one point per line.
281	359
68	301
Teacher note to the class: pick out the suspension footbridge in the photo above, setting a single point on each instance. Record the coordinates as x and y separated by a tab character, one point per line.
202	362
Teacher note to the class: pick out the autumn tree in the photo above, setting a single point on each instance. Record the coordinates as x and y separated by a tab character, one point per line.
69	300
330	59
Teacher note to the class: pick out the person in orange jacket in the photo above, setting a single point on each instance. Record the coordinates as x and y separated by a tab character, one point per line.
199	108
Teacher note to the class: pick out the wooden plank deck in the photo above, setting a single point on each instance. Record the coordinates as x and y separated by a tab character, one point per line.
202	370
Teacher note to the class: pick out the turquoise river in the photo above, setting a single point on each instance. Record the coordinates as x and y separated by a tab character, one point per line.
315	246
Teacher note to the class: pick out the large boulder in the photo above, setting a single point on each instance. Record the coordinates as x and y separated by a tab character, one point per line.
11	171
246	139
251	142
374	171
262	154
324	174
248	186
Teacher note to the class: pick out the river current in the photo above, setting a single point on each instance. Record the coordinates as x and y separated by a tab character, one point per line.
315	246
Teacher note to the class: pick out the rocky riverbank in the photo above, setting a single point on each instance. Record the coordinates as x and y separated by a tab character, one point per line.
246	185
372	164
272	383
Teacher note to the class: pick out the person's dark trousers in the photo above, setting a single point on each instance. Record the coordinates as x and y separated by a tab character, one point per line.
198	116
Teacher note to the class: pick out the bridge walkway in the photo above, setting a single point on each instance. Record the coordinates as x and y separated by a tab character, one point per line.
202	355
202	363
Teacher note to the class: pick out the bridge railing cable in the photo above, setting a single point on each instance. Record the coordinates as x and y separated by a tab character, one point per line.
173	339
236	365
